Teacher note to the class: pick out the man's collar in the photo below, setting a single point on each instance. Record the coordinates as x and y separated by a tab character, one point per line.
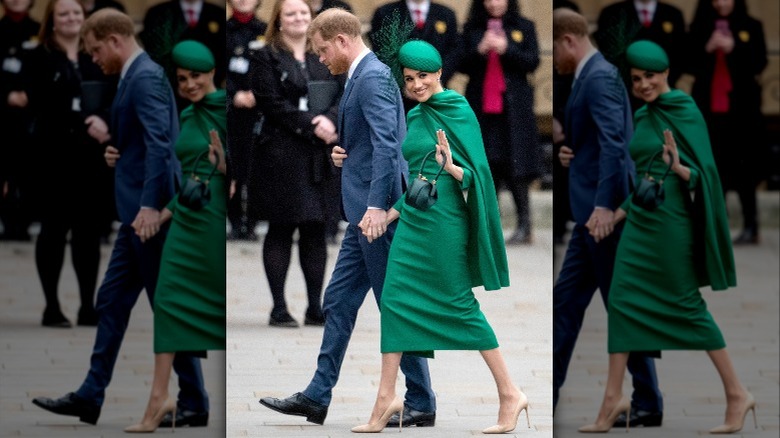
129	62
583	61
357	60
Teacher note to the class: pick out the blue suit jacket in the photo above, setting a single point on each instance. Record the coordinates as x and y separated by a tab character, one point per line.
598	129
144	127
372	128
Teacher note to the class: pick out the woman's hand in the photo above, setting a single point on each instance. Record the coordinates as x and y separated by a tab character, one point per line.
392	215
670	154
620	214
165	215
444	156
217	152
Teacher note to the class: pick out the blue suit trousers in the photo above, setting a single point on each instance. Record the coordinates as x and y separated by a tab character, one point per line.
586	267
133	267
360	266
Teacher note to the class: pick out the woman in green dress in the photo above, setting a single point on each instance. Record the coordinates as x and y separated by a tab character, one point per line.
667	253
189	303
440	254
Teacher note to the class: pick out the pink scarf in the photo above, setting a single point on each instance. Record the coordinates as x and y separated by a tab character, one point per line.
494	86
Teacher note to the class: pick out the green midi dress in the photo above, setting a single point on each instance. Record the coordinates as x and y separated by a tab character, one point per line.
438	255
661	262
189	302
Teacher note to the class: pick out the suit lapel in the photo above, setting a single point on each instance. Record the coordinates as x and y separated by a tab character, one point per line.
348	90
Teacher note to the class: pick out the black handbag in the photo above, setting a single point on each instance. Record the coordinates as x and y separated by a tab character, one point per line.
649	193
422	193
195	193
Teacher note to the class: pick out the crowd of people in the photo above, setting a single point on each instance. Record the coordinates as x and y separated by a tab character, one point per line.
646	185
117	145
305	126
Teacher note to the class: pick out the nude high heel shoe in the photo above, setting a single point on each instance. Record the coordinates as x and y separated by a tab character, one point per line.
521	405
396	406
623	406
151	426
750	405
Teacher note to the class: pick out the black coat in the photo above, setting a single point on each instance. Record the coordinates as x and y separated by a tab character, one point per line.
667	30
520	59
440	30
292	175
165	25
745	64
16	42
71	162
243	39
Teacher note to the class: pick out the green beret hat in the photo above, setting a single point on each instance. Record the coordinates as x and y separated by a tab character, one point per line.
419	55
647	55
192	55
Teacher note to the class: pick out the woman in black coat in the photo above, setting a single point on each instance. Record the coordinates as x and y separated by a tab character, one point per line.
244	35
501	47
727	56
71	168
295	183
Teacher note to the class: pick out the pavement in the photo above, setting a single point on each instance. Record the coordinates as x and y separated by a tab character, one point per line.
36	361
268	361
264	361
694	401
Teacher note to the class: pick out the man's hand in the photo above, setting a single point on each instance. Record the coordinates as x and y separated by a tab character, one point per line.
17	99
557	131
111	155
146	223
338	155
244	99
601	223
565	154
98	129
373	224
325	129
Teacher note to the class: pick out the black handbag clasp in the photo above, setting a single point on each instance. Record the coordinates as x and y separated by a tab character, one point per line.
422	194
195	193
649	193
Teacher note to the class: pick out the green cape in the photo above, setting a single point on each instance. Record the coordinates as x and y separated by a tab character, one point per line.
678	112
197	120
450	112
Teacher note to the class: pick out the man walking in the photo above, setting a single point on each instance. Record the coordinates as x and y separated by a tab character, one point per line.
144	126
372	174
598	129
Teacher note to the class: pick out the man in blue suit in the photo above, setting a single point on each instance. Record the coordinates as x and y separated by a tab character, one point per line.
372	126
144	126
598	127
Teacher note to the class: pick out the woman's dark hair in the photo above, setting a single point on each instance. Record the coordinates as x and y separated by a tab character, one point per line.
705	15
478	15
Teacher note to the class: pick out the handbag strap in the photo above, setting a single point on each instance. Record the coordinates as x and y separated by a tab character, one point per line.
422	166
200	157
650	163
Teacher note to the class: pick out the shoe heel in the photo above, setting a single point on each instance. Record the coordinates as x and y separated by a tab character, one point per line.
527	417
89	418
316	419
401	420
755	423
173	420
426	423
628	418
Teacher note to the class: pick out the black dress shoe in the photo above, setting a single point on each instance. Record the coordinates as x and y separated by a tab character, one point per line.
297	404
70	404
316	319
520	237
283	320
185	417
414	418
56	320
88	317
640	418
748	236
